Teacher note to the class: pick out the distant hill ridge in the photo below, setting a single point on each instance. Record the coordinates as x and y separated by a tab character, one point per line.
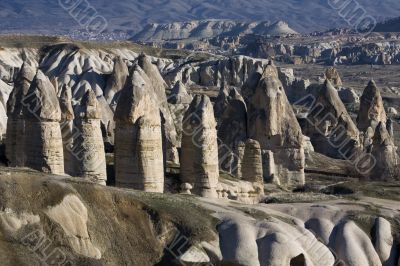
391	25
198	29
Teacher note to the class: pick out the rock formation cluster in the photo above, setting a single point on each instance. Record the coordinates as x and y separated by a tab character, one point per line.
252	130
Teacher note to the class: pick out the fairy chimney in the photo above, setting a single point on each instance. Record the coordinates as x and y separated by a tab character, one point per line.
372	111
138	153
89	143
15	133
42	115
272	122
199	155
384	153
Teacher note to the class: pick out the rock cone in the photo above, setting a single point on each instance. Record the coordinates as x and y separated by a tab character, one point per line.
330	127
15	133
371	110
89	144
138	138
272	122
42	114
199	158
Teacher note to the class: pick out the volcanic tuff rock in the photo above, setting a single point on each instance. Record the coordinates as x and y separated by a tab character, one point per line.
385	159
252	168
89	143
333	76
371	110
116	82
138	155
42	115
384	242
159	86
209	28
15	123
349	238
272	122
68	131
348	96
179	101
179	94
328	119
199	154
232	130
232	71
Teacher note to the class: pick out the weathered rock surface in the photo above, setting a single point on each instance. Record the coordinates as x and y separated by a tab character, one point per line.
329	125
159	86
68	131
385	159
138	144
353	246
15	124
270	243
333	76
272	122
42	115
179	101
199	29
116	82
233	71
89	144
348	96
75	216
72	215
252	167
232	130
384	243
371	110
199	155
179	94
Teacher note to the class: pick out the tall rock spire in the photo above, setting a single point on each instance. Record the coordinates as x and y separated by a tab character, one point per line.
371	110
330	127
199	158
15	133
89	144
116	82
42	114
272	122
138	137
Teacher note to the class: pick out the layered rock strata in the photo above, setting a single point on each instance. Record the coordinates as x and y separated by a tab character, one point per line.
138	154
199	155
42	114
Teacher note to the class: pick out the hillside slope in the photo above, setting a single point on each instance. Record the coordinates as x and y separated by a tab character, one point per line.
132	16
